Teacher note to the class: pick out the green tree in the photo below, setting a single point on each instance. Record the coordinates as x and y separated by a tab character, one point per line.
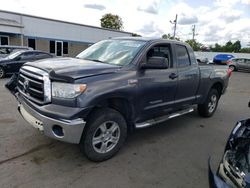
195	45
245	50
111	21
169	37
236	46
216	48
228	47
135	35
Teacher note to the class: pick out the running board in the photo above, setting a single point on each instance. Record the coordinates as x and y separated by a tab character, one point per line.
163	118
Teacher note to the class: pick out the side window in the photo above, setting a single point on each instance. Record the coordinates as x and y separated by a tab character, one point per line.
27	55
41	55
182	56
247	61
160	51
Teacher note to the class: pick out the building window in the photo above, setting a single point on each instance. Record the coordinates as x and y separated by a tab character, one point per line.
65	47
32	43
58	47
4	40
52	47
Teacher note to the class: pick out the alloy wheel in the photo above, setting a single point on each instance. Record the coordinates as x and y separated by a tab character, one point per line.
106	137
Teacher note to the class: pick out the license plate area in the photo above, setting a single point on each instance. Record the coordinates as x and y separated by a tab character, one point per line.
31	119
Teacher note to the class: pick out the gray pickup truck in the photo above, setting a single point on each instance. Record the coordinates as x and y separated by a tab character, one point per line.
114	86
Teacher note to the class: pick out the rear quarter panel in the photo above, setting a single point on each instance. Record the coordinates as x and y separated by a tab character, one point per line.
209	76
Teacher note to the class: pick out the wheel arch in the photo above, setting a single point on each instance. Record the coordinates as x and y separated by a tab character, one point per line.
120	104
218	86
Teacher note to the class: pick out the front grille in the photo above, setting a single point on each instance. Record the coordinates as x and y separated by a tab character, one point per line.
34	84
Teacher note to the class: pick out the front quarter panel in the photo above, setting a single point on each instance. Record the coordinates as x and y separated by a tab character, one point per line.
103	87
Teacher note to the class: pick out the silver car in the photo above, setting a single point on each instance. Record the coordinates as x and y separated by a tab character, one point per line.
239	64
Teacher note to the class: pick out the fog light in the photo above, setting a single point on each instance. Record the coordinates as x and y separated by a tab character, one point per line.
58	131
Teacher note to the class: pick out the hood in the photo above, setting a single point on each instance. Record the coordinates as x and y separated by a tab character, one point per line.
73	68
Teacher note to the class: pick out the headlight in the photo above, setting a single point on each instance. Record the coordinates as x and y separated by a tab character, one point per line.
65	90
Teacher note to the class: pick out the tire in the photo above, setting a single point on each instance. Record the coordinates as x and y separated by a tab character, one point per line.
109	130
233	68
208	108
2	72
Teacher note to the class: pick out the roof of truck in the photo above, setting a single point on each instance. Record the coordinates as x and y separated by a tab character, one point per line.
148	39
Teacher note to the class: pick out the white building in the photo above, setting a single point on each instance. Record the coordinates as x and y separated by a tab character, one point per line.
54	36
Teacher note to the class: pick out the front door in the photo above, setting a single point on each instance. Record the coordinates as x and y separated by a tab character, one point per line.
156	87
59	48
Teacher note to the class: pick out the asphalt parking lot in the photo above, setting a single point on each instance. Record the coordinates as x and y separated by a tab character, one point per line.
172	154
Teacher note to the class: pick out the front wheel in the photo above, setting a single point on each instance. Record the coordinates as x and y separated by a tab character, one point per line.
233	68
208	108
105	134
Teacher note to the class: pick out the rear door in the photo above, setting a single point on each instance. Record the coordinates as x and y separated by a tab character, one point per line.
156	88
241	63
188	76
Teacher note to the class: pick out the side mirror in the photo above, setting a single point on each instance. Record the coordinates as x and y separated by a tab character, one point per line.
155	63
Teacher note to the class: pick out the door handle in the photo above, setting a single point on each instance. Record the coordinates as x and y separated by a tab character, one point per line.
173	76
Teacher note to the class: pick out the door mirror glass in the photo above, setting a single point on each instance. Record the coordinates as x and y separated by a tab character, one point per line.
155	63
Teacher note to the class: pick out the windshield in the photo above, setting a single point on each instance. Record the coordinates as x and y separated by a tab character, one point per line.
115	52
14	55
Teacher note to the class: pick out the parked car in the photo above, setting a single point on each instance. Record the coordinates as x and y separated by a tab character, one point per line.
203	60
5	50
13	62
239	64
234	168
113	86
222	59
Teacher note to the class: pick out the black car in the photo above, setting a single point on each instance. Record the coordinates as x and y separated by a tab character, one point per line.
13	62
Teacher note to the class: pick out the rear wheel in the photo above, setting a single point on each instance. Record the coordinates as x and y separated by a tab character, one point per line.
105	134
208	108
2	72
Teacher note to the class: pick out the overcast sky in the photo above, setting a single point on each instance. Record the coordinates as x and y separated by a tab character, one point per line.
215	20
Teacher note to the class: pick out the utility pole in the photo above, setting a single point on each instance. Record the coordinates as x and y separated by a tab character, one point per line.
175	24
193	32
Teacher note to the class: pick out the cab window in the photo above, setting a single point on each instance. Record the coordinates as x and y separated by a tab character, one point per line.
183	58
160	51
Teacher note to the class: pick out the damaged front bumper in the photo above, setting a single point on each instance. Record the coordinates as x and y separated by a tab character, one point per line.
55	121
60	129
